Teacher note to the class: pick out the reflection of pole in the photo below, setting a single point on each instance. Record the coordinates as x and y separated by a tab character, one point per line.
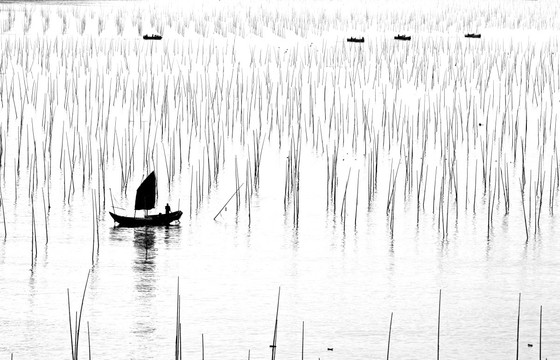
273	346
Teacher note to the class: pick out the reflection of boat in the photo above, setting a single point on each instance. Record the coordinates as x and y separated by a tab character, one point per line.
402	37
144	237
145	200
356	40
473	36
152	37
144	240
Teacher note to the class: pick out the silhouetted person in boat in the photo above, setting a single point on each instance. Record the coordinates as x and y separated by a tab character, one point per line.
167	209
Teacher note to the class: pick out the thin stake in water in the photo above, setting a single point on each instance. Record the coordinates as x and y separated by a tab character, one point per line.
273	346
389	338
518	320
438	323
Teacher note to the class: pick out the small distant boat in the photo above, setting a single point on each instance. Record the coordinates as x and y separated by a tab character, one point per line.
356	40
145	200
403	37
152	37
473	36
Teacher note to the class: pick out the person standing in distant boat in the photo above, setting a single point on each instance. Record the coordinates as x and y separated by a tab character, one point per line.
167	209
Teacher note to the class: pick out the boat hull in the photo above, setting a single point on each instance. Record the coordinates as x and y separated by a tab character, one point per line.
153	37
150	220
355	40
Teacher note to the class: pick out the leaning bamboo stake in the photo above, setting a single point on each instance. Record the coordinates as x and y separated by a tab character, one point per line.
273	346
227	202
343	207
70	325
46	220
389	338
3	214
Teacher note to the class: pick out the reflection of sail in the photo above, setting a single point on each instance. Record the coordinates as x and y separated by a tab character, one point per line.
146	193
145	284
144	239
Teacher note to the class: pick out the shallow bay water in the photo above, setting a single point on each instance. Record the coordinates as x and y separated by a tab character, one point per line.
343	273
344	286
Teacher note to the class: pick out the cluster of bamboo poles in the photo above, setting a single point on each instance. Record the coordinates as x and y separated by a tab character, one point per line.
75	328
445	122
459	121
311	18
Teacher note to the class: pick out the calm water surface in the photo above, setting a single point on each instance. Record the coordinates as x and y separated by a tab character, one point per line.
342	279
343	285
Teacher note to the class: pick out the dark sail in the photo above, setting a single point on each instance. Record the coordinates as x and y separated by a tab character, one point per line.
146	193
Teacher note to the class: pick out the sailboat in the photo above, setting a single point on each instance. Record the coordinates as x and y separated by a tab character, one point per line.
145	200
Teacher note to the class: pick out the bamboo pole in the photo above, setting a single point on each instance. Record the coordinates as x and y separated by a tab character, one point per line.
227	202
518	321
438	323
389	338
275	337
